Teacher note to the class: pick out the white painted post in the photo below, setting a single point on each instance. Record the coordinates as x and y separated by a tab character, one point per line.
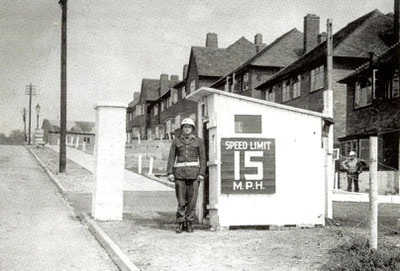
107	203
151	162
373	192
84	146
140	164
169	135
58	141
77	142
138	138
398	170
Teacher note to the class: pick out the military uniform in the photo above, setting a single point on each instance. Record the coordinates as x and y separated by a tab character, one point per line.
186	161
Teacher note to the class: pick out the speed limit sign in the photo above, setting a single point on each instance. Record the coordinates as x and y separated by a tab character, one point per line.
248	165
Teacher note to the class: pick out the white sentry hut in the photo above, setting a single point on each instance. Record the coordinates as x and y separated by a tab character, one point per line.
266	161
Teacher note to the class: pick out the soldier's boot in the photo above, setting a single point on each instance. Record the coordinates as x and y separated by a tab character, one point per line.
189	227
179	228
184	228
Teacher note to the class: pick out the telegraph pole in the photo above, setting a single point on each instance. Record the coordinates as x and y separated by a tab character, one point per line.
30	90
24	119
63	96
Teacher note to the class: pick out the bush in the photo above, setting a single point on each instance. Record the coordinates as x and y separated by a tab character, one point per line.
356	255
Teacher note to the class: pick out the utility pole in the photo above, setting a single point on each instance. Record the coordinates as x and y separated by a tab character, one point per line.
30	90
24	119
63	96
328	111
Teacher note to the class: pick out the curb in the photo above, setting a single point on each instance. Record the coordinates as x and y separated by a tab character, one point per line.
117	256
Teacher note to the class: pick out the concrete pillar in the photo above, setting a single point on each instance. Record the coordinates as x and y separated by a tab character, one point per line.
107	203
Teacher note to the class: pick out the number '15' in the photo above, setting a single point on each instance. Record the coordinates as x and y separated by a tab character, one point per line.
248	163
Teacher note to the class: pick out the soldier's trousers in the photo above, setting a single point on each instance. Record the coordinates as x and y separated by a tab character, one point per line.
352	178
186	194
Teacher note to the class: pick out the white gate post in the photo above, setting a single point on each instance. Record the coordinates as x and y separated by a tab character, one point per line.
373	192
107	203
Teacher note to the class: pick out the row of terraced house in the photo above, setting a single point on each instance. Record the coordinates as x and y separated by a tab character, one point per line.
292	70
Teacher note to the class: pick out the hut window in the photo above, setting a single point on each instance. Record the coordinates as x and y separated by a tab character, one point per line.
250	124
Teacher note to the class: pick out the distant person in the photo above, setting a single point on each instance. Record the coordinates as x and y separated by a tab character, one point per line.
186	167
353	166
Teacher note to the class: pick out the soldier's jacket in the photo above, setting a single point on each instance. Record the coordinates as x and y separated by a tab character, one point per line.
187	150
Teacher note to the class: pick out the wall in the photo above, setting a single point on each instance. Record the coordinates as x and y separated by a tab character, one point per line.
381	115
299	197
388	182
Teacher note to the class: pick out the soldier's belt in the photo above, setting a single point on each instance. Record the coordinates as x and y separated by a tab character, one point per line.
187	164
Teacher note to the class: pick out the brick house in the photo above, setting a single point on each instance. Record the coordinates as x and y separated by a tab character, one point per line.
208	64
155	127
132	128
269	60
302	83
374	109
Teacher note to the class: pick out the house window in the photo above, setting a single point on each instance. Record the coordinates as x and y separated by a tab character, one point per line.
177	121
156	110
86	140
248	124
174	94
138	109
285	91
143	109
183	92
162	106
395	85
168	126
245	82
317	78
296	86
270	95
364	150
363	93
169	101
192	86
193	117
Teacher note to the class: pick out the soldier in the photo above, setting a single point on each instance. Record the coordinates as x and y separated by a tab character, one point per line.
186	167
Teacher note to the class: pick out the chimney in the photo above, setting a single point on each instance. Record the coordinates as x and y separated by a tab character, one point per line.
397	20
322	37
258	39
136	96
163	82
174	77
185	71
311	32
212	40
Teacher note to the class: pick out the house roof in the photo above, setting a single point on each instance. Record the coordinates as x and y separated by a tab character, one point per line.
171	84
133	103
378	60
216	62
280	53
81	127
149	91
357	39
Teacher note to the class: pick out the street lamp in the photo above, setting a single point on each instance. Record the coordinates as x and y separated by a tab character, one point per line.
37	115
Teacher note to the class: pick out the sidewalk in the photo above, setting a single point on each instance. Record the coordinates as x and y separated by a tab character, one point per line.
38	230
133	181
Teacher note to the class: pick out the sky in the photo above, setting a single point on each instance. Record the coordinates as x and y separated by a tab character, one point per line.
113	45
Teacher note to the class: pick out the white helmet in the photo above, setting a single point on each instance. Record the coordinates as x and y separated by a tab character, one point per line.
352	153
188	121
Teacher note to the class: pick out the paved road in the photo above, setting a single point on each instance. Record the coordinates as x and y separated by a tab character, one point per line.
38	230
132	182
